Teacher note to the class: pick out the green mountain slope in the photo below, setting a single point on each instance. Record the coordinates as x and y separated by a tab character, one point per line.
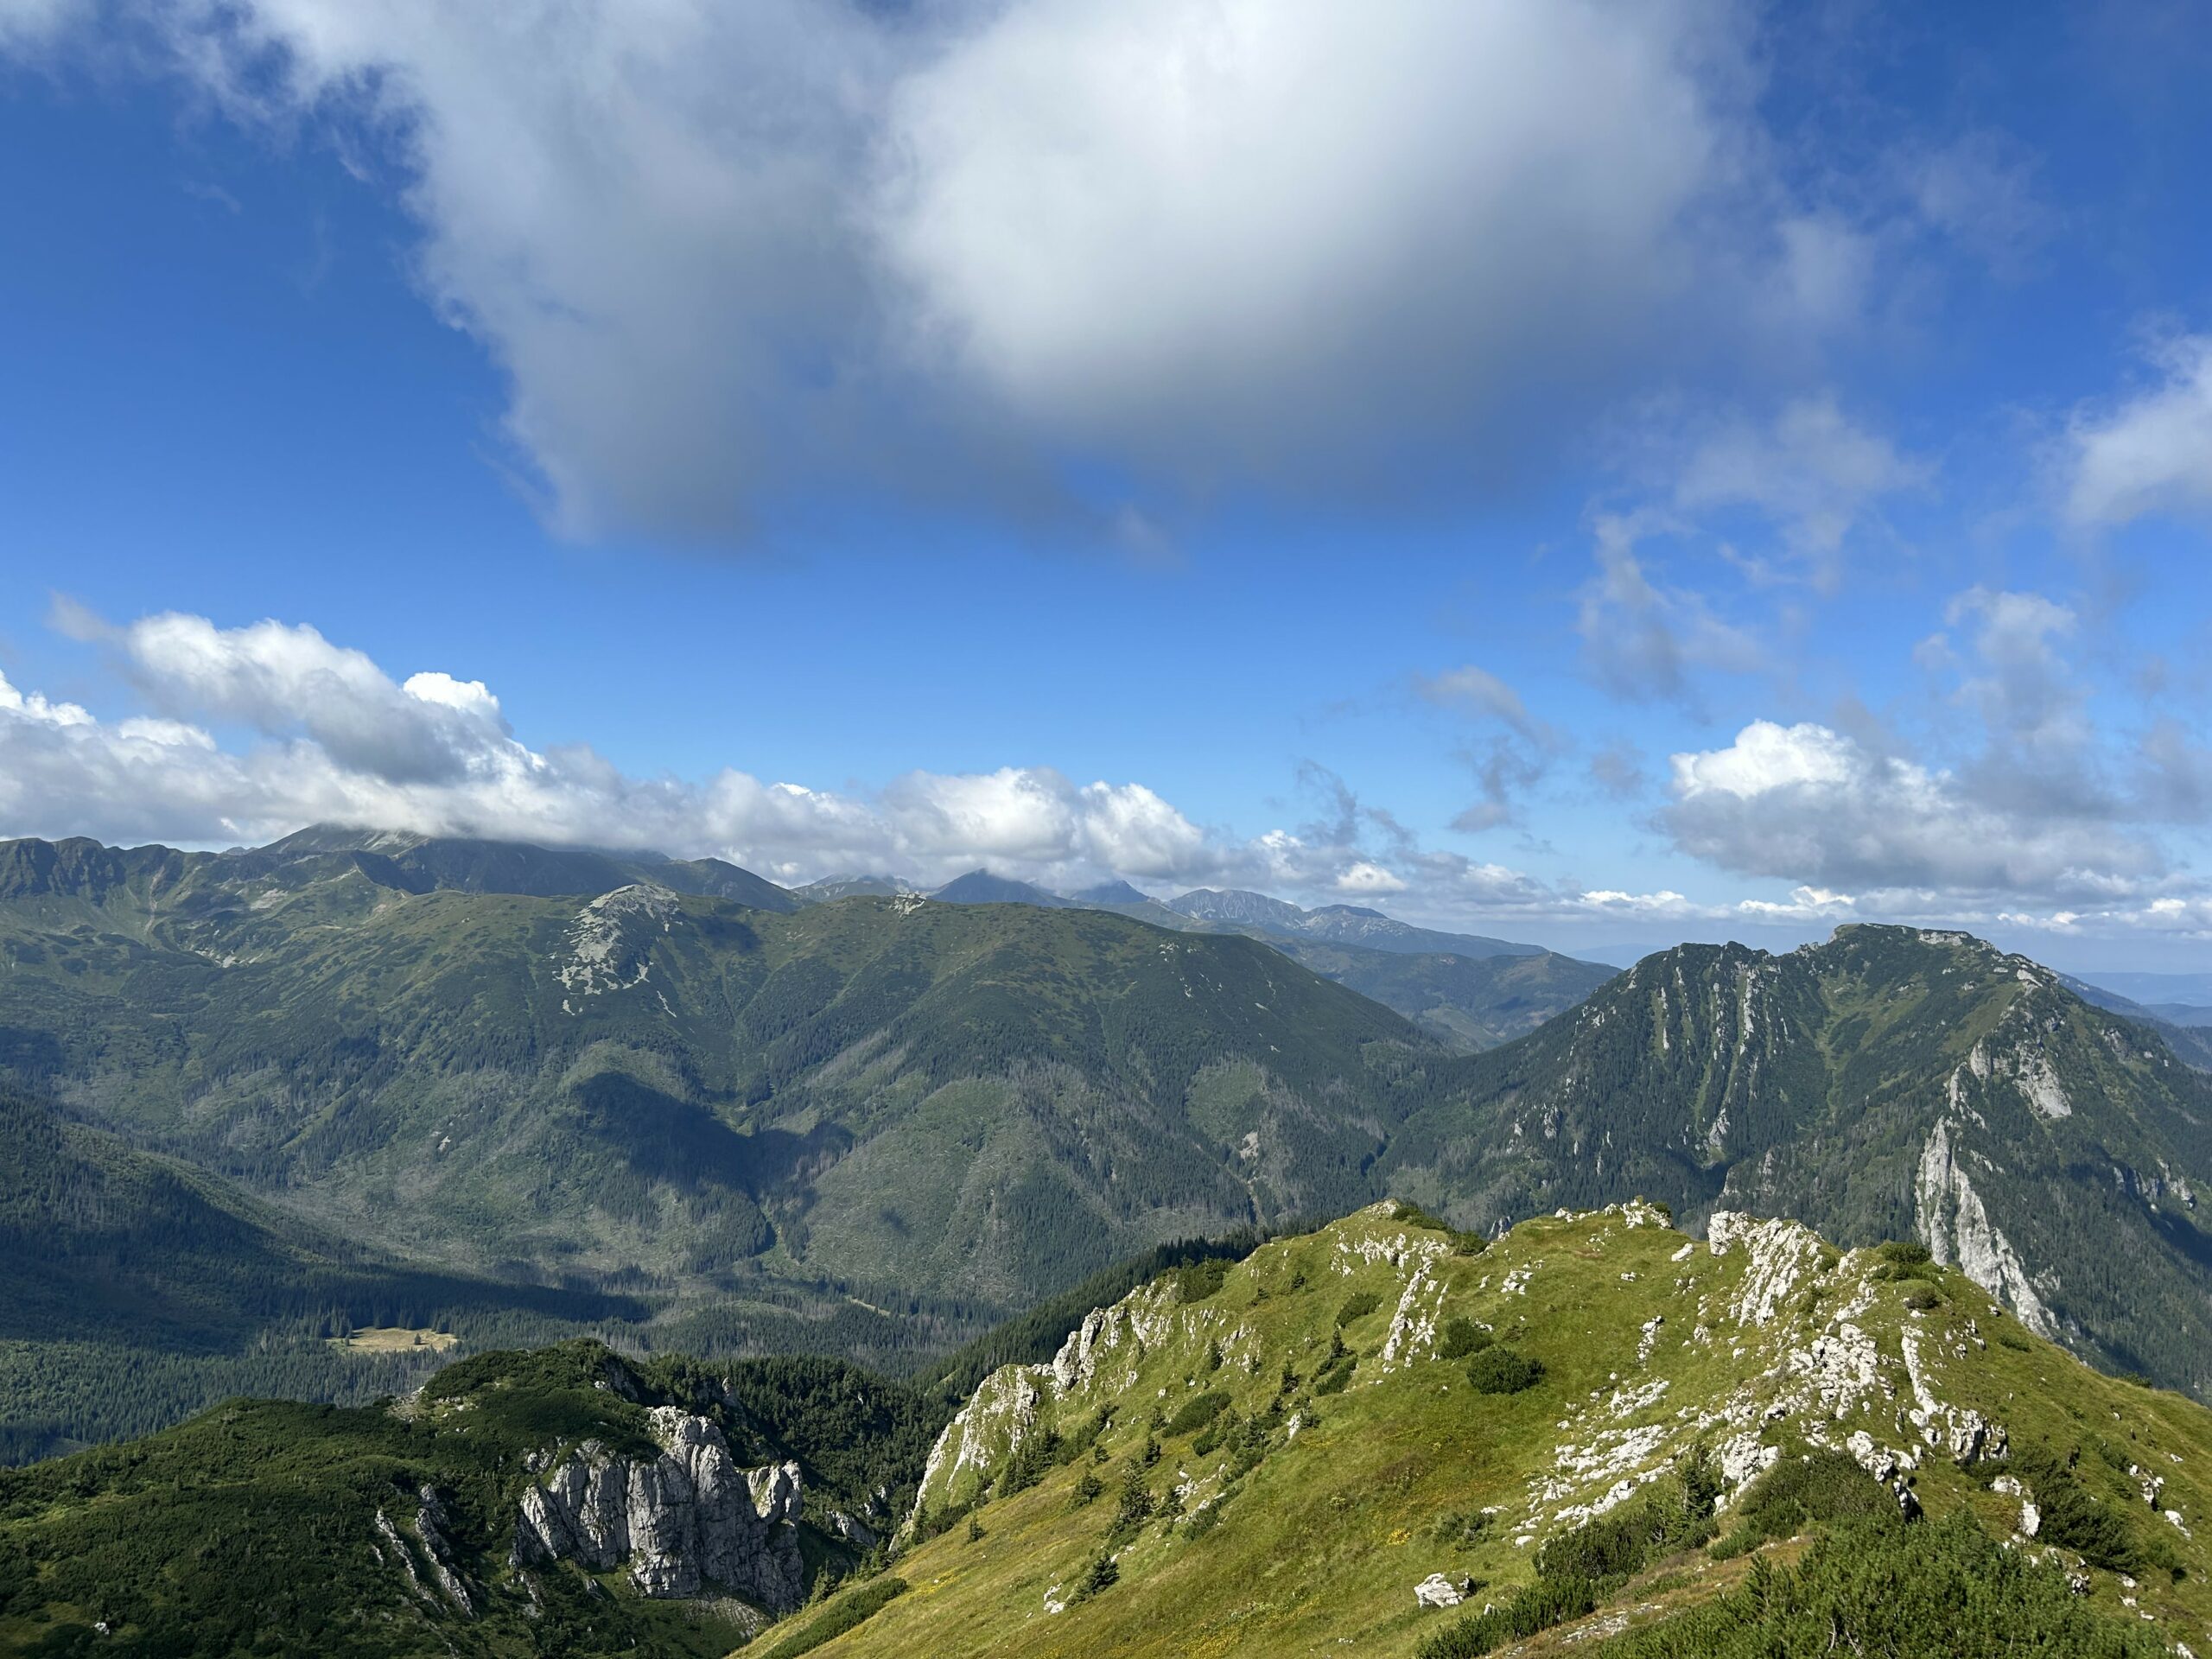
2176	1024
1471	1004
659	1093
1595	1431
1602	1423
1890	1083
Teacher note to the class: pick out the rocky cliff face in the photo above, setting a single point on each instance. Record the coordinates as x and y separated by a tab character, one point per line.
688	1522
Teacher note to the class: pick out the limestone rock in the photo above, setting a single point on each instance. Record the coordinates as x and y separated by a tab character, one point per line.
1436	1590
685	1523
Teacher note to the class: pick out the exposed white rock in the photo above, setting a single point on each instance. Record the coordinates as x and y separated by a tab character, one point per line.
1077	1360
2039	1084
1436	1590
1627	1403
605	942
1842	1366
997	1417
686	1523
1413	1327
1782	1253
1950	1217
1743	1459
1877	1461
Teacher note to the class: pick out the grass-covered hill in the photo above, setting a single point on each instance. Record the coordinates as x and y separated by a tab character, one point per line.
1891	1083
874	1125
1597	1435
398	1529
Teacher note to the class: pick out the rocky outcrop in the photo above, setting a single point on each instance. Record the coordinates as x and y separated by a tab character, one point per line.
686	1523
426	1558
1436	1590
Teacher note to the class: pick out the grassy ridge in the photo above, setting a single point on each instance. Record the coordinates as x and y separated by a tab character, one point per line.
1095	1516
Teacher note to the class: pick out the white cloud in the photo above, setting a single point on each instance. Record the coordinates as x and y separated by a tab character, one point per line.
1816	472
1141	222
331	735
1804	904
728	253
2151	453
1477	691
1364	877
1811	806
1644	639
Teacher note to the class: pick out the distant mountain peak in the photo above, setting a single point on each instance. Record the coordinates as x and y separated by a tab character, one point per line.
1112	893
979	886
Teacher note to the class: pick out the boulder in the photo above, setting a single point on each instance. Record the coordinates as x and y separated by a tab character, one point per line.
1436	1590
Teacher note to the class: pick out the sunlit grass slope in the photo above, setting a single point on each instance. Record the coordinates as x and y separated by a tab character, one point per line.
1268	1458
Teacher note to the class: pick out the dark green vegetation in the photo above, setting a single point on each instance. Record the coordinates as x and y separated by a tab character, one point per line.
1889	1083
1468	1004
137	1289
1945	1591
427	1095
2182	1026
272	1527
1498	1369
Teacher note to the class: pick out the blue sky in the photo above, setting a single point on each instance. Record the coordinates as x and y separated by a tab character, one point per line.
1598	475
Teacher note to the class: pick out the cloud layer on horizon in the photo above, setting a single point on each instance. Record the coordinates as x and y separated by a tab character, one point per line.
249	732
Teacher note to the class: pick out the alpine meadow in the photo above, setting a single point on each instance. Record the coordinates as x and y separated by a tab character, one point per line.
1062	829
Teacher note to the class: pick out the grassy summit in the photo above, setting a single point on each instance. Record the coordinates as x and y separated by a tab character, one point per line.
1270	1458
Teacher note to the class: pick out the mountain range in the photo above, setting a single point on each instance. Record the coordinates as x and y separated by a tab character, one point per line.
1466	990
871	1126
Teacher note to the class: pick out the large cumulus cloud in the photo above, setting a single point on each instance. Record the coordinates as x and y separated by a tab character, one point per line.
726	254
